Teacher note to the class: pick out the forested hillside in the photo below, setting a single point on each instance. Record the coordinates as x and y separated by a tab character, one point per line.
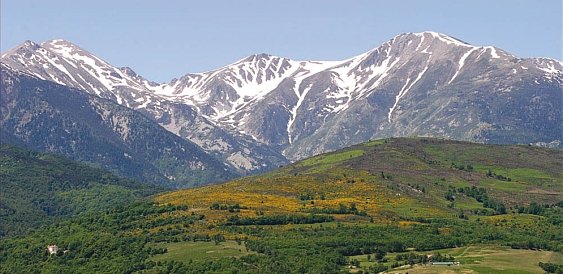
40	188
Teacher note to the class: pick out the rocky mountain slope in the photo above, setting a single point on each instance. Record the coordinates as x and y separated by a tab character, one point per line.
46	116
252	111
67	64
425	84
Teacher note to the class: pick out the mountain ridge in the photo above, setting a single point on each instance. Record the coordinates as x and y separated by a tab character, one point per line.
46	116
125	87
440	36
294	109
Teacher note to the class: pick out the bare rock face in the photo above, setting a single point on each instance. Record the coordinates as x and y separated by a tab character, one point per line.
263	110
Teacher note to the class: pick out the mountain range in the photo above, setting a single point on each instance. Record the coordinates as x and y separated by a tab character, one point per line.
264	111
46	116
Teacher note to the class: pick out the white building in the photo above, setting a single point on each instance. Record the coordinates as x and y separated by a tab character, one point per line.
52	249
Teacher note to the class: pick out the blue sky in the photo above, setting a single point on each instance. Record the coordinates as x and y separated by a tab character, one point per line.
165	39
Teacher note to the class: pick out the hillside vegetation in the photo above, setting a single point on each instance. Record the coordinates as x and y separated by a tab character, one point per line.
371	207
40	188
394	179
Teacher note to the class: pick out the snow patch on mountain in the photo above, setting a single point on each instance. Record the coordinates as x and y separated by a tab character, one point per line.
308	69
253	79
446	39
404	91
494	53
380	72
550	68
461	63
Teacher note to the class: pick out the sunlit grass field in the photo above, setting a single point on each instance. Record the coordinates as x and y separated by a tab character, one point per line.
186	251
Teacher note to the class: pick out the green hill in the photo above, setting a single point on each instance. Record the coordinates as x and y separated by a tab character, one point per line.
398	179
40	188
370	207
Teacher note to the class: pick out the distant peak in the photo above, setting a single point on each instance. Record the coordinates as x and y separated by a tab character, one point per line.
59	43
445	36
28	44
263	55
432	35
65	48
259	56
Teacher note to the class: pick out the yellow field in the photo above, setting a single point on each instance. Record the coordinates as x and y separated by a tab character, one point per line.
258	196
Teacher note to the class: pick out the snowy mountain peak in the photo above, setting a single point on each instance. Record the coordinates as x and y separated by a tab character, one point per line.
73	53
226	90
28	44
256	57
59	43
282	102
431	36
445	38
24	48
65	63
549	65
423	41
246	76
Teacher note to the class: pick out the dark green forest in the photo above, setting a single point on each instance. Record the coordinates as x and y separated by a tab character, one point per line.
42	188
